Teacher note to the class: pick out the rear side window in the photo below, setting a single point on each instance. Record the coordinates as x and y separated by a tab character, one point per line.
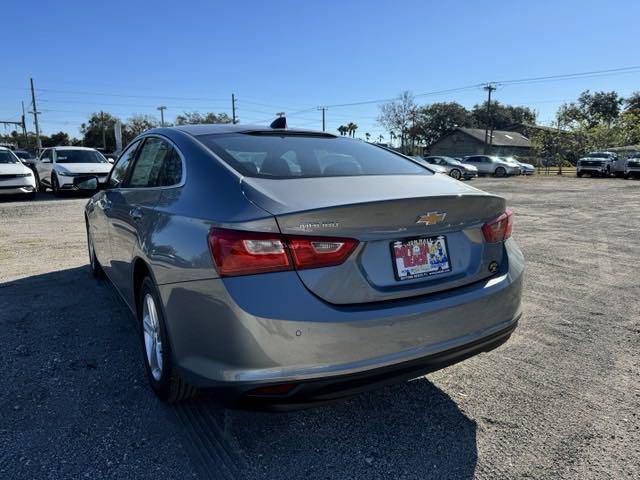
157	165
302	156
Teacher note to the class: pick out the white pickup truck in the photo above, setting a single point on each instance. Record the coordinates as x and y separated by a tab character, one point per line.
632	166
601	164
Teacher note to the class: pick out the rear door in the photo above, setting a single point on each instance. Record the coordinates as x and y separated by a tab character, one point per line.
131	207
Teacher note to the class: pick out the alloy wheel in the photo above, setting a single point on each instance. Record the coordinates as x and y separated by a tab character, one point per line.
152	338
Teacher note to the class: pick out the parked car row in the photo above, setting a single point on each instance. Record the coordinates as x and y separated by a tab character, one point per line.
58	168
605	164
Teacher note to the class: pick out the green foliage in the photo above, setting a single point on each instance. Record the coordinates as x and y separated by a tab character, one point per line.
434	120
191	118
99	127
138	124
501	116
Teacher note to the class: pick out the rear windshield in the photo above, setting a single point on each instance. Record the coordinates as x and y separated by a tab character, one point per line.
7	156
303	156
23	154
79	156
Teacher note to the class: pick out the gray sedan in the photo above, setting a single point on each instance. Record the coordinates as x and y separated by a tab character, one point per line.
281	267
455	168
490	165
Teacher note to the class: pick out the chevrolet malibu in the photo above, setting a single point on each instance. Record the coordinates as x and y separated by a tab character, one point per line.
284	268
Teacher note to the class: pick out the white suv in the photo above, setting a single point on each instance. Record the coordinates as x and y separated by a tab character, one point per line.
71	169
15	177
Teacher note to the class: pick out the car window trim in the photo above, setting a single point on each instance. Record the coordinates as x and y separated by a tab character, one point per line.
126	174
183	178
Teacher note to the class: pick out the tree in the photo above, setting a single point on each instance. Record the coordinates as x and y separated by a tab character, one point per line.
399	115
592	109
138	124
343	129
56	140
632	102
367	136
100	124
351	129
435	120
380	138
499	116
191	118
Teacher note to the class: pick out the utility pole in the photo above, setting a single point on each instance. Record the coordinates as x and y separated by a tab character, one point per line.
104	133
162	108
558	161
24	127
323	109
489	88
233	108
35	116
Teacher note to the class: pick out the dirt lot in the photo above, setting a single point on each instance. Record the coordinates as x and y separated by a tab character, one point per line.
560	400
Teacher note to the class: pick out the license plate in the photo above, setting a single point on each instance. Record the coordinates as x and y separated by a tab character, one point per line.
88	184
420	257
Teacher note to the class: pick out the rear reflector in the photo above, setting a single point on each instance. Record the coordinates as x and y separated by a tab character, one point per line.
498	229
238	252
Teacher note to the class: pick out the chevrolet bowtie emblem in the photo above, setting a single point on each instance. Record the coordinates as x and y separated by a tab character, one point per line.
431	218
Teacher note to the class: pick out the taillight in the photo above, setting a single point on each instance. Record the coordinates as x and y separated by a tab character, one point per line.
309	252
499	229
241	253
237	252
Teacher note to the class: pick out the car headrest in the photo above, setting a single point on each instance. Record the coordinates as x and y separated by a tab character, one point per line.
343	167
276	166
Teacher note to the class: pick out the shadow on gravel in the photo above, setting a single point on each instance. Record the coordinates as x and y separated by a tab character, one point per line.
408	431
75	403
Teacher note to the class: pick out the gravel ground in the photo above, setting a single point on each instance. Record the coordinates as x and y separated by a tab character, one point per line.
560	400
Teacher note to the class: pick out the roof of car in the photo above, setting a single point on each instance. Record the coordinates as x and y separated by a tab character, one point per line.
67	147
210	129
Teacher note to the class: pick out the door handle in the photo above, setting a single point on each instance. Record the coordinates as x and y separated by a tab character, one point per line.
135	214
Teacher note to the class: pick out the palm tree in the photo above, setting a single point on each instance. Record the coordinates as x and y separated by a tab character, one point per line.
351	128
392	136
343	129
367	135
380	138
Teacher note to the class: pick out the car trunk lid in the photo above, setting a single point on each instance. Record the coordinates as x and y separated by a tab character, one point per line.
378	211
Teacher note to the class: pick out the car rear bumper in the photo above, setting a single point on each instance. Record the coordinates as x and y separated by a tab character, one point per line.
239	333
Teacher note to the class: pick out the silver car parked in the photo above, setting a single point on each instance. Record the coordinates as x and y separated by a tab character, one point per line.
455	168
285	266
490	165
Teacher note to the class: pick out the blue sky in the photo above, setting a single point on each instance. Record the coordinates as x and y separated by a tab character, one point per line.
129	57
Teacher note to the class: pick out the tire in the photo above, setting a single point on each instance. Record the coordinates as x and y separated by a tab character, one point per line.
94	264
157	357
579	174
500	172
455	173
30	196
55	186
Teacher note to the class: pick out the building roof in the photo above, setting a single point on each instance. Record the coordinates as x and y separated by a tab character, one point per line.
501	138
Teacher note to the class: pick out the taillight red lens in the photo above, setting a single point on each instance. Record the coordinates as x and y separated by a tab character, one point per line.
308	252
237	252
499	229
